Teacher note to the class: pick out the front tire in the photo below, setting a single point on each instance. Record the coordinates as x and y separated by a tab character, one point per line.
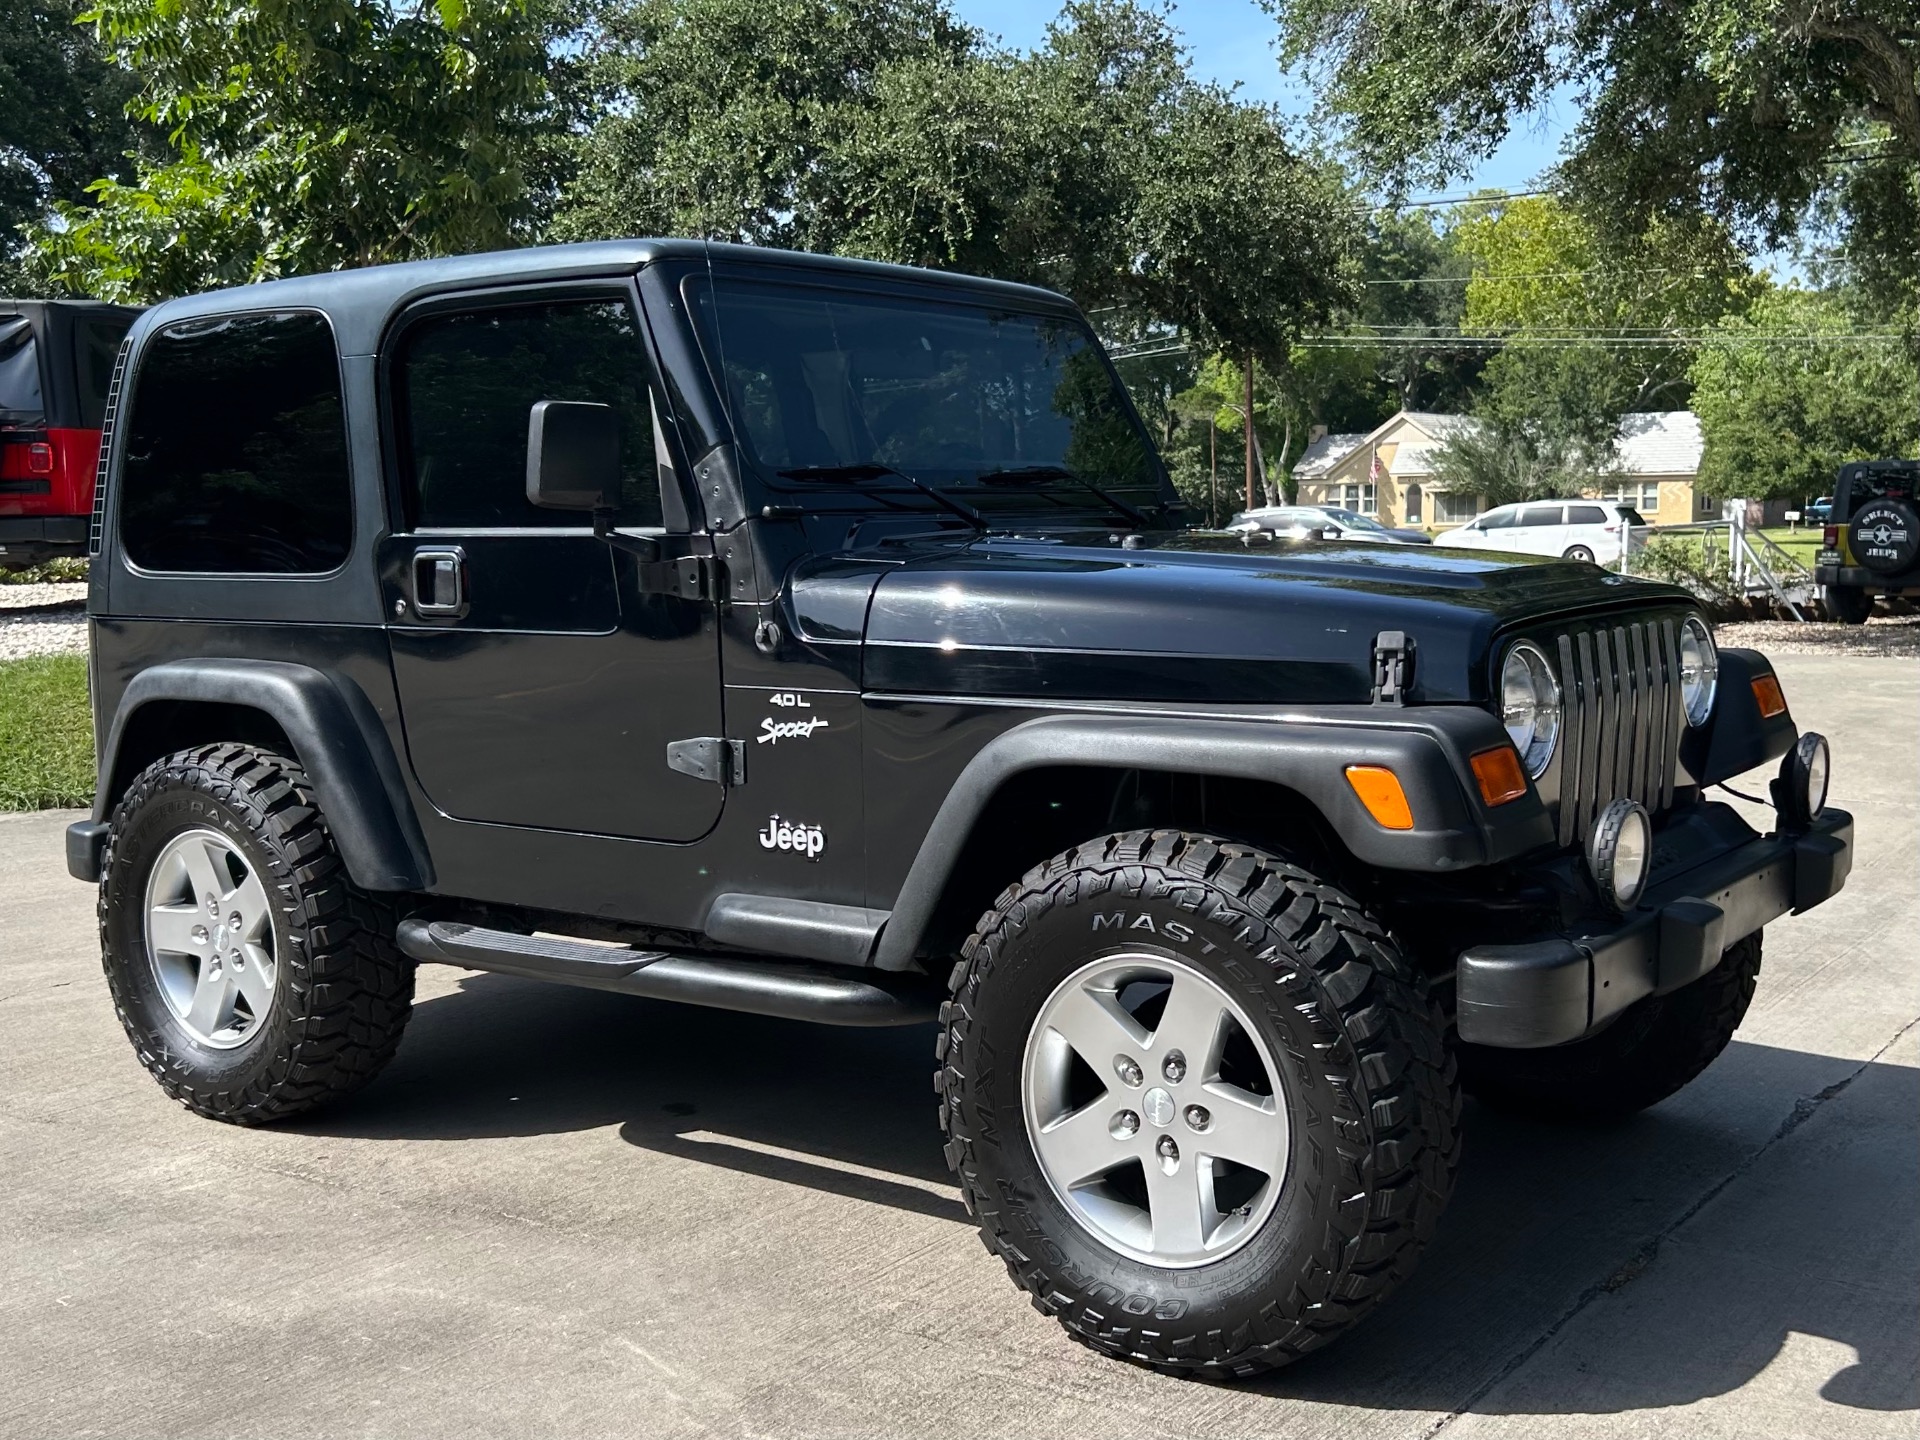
1649	1053
1129	982
255	981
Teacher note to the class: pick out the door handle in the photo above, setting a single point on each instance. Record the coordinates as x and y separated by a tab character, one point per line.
440	581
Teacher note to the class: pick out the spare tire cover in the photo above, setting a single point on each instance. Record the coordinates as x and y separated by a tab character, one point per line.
1885	536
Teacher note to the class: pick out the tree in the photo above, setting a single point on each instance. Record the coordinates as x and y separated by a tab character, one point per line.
308	135
1593	327
1095	164
63	121
1742	110
1789	392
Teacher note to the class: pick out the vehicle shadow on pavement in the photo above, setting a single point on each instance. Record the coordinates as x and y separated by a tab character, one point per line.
1551	1229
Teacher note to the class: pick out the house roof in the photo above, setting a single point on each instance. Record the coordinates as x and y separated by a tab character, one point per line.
1660	442
1325	453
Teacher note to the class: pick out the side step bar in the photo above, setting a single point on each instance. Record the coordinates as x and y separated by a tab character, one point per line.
790	991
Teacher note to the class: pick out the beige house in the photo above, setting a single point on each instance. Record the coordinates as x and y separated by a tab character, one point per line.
1389	473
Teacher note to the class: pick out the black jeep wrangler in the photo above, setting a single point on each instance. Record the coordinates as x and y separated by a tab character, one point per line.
822	639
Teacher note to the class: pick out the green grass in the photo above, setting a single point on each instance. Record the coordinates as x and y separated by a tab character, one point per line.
46	733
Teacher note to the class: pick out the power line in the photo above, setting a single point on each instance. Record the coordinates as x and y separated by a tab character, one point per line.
1436	202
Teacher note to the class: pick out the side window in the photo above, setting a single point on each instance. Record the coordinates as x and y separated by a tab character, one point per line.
1499	519
464	383
1540	515
236	449
1586	515
96	345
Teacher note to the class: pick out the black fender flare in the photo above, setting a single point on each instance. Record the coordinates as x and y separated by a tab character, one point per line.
1737	737
338	739
1307	751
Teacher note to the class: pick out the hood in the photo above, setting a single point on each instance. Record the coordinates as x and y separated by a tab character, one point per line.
1190	615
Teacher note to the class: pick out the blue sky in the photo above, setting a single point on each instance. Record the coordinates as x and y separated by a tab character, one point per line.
1232	41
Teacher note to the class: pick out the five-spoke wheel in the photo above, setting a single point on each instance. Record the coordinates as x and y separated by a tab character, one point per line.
1154	1110
210	938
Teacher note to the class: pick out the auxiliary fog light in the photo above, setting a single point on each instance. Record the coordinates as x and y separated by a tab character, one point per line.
1801	789
1620	852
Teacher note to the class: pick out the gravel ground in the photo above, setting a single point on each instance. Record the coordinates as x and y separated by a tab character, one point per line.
1884	636
44	632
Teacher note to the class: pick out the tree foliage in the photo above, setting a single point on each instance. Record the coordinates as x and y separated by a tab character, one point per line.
308	135
1095	164
63	121
1786	394
1743	110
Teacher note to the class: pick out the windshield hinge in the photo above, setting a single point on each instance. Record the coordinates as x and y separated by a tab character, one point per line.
722	761
1392	667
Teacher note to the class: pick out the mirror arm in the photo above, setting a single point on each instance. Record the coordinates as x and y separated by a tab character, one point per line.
643	547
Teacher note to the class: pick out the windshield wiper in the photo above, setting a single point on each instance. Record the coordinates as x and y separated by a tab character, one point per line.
875	470
1023	474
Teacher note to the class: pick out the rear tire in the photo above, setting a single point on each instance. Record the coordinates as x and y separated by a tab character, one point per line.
1577	552
1298	979
1649	1053
1846	605
318	995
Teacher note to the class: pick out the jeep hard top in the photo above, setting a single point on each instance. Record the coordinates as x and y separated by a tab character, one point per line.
825	640
1870	545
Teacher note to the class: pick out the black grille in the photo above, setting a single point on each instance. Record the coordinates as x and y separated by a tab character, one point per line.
1621	692
99	522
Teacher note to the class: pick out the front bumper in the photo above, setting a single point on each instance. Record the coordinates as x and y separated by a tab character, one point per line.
1548	992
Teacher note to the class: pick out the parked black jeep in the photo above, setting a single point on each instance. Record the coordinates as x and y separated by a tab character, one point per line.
822	640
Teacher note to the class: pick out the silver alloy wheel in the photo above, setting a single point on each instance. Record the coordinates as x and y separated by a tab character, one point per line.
210	938
1183	1155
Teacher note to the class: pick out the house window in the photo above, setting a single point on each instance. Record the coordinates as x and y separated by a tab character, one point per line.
1452	509
1364	499
1640	494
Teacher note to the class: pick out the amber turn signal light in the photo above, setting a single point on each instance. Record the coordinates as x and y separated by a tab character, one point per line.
1766	694
1379	790
1500	776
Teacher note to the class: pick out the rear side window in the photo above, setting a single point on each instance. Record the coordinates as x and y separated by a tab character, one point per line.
1540	515
20	400
236	449
96	345
465	383
1630	516
1586	515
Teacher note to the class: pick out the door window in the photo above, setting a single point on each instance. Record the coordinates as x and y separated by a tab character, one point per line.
1540	515
1586	515
465	382
1499	520
236	450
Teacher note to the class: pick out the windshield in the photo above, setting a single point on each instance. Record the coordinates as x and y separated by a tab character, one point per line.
1353	520
818	378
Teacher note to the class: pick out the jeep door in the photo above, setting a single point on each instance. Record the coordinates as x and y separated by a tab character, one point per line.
541	673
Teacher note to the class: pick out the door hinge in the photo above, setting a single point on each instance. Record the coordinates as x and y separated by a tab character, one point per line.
689	577
722	761
1392	667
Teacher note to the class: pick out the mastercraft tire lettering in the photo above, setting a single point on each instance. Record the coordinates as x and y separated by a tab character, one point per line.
1361	1072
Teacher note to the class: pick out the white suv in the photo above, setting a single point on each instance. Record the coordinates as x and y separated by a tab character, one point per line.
1593	530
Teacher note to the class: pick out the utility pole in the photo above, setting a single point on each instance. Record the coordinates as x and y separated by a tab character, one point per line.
1213	471
1248	413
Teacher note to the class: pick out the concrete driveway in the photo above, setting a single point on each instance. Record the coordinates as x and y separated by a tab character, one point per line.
562	1213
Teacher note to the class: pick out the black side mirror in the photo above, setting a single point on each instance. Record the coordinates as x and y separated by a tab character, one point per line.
573	455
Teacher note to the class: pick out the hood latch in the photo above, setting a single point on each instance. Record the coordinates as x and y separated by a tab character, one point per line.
1392	667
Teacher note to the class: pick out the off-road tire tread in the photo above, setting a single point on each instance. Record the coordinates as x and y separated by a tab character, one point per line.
1646	1056
351	988
1388	1055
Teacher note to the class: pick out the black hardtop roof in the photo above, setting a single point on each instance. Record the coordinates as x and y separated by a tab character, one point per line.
359	301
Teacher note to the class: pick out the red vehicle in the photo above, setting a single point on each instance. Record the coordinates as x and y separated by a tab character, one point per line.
56	364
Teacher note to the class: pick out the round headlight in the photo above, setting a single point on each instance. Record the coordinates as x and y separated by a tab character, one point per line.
1530	705
1699	670
1618	852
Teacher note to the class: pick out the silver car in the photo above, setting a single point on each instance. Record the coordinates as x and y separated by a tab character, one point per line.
1326	523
